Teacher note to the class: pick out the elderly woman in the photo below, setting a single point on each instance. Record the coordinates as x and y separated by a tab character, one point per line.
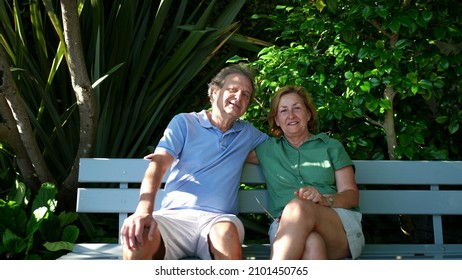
311	182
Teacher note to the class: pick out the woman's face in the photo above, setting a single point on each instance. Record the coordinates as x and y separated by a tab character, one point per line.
292	115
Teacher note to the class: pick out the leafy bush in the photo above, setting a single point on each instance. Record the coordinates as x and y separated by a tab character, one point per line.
385	76
34	230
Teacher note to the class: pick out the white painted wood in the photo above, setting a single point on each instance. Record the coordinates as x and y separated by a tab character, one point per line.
387	187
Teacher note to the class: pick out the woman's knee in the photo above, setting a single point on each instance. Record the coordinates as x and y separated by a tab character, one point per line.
298	207
315	247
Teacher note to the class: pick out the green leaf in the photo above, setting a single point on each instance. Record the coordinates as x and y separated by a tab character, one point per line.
70	233
403	43
395	25
114	69
440	33
362	142
332	5
380	44
320	5
426	84
372	105
453	126
405	140
348	75
283	79
409	152
366	87
13	243
45	197
412	77
382	11
67	218
439	83
19	192
237	59
13	217
50	229
427	15
385	104
419	138
367	12
363	52
59	245
441	119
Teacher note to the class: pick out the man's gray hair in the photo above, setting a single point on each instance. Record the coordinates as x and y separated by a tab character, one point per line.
218	81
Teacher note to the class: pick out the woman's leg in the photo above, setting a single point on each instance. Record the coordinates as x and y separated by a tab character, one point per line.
299	220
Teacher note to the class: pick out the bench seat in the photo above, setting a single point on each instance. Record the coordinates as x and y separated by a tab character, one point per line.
430	188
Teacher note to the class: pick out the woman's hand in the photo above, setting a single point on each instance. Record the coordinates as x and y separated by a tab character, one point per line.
309	193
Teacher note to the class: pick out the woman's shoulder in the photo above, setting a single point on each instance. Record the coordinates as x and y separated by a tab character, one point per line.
329	140
270	143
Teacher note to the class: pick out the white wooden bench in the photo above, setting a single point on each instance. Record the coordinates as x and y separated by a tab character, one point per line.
395	198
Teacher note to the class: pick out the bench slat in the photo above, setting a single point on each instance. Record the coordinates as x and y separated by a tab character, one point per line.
114	170
93	251
420	202
124	170
400	172
392	172
108	200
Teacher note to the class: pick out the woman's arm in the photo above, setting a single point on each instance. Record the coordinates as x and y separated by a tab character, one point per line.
252	158
347	195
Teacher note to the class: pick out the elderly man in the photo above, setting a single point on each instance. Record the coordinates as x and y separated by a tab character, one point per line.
205	152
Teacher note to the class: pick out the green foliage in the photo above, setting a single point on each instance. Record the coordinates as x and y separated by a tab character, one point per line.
147	60
349	53
163	48
33	230
142	56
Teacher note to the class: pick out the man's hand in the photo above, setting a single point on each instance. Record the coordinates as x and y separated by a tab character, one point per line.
133	229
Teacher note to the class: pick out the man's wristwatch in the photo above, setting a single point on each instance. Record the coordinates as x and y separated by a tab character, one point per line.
330	199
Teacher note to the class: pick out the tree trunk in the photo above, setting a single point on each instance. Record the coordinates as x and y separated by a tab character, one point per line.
389	123
83	92
19	130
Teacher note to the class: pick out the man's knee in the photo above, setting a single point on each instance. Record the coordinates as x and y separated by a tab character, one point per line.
224	241
150	249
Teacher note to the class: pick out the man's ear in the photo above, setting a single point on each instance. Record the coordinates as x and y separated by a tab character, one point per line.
214	94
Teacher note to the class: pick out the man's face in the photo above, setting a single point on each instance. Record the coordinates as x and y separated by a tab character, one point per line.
234	97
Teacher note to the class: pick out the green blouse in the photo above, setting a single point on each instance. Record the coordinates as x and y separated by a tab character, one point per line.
287	168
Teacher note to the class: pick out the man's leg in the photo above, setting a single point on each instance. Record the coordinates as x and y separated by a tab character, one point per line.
224	241
151	250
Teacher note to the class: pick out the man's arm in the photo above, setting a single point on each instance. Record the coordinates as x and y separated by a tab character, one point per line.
160	163
140	221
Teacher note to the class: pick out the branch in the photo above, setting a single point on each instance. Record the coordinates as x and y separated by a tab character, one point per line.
372	121
380	28
393	37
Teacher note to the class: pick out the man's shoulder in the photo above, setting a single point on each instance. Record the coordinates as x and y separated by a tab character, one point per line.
189	116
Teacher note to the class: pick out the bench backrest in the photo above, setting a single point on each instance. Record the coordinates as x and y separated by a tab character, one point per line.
429	200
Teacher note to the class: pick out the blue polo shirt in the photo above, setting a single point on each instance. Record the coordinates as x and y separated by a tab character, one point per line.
206	172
